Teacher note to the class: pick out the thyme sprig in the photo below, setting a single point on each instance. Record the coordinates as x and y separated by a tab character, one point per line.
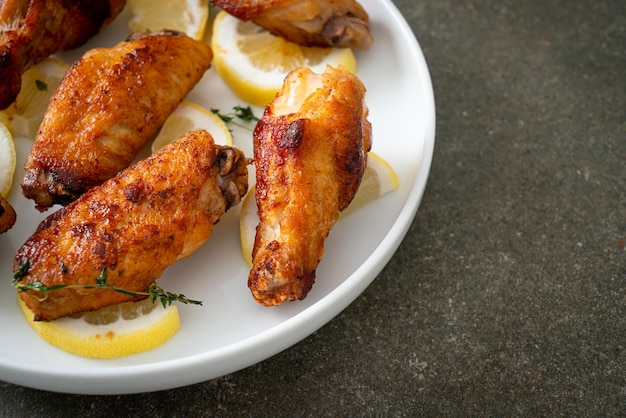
244	114
153	291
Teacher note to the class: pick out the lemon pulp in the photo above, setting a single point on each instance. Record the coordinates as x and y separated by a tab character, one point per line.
190	116
254	63
39	82
7	161
187	16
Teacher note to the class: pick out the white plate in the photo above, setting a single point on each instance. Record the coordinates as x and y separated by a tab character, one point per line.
231	331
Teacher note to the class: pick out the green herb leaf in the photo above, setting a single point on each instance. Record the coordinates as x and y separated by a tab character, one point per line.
223	117
22	270
245	114
41	85
102	278
155	291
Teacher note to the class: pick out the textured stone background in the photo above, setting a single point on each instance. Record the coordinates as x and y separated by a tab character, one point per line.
508	295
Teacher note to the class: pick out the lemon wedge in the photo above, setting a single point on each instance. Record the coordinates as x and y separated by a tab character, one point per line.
115	331
24	116
379	179
187	16
7	161
254	63
190	116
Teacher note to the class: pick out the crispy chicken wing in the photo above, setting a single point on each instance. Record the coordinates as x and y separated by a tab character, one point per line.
310	152
338	23
7	215
135	225
30	30
109	104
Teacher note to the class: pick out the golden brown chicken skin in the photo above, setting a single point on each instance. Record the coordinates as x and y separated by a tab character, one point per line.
110	103
310	153
31	30
7	215
323	23
150	215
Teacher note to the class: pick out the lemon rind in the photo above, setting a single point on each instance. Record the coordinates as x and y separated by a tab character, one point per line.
7	162
255	86
101	341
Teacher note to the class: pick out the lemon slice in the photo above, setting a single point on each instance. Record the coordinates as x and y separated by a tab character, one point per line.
24	116
187	16
379	179
254	63
7	161
114	331
190	116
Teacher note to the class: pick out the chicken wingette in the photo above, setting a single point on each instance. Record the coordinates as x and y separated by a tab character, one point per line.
136	224
310	153
31	30
110	103
323	23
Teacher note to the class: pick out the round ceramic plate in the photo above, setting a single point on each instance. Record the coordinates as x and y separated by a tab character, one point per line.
231	331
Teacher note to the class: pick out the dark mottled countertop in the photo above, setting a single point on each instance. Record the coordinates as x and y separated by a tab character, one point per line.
508	295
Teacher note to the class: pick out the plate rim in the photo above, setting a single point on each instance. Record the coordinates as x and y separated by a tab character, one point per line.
191	369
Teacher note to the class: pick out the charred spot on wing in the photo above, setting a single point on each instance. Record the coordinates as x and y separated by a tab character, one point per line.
136	191
292	138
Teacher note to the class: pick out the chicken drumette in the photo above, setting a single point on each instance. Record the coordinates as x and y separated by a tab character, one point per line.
310	152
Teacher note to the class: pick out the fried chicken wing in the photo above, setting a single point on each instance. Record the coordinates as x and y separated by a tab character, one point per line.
7	215
135	225
310	153
110	103
31	30
337	23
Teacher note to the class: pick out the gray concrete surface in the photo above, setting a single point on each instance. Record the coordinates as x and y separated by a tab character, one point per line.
508	295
